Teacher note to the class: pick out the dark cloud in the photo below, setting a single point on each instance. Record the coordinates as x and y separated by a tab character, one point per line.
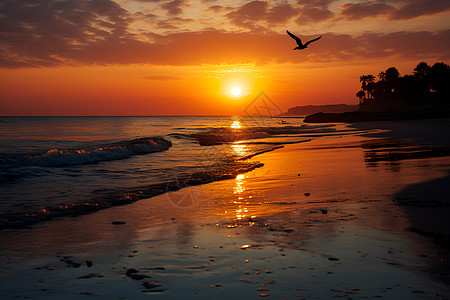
254	10
406	44
397	10
361	10
215	9
76	32
172	23
42	33
309	15
174	7
260	11
313	11
316	3
416	8
280	13
218	47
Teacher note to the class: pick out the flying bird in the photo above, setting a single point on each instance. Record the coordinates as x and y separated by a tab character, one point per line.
301	46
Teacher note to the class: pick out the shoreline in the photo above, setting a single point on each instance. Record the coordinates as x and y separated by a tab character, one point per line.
318	220
362	116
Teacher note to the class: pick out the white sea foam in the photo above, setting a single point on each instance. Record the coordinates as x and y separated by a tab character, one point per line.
63	157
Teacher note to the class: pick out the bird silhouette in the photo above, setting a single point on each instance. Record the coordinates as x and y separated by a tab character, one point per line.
301	46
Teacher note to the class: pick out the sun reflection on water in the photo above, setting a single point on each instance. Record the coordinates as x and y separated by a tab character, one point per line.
239	149
236	125
241	209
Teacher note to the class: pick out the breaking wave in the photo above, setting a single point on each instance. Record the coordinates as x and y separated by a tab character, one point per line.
64	157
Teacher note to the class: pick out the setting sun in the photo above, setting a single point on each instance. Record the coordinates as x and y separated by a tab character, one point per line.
236	91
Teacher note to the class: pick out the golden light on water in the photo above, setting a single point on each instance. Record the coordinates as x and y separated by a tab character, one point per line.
241	210
240	177
236	125
239	149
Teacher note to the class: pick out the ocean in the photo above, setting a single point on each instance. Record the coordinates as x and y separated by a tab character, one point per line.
63	166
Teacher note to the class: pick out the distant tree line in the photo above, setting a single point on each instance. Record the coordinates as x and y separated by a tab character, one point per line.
427	86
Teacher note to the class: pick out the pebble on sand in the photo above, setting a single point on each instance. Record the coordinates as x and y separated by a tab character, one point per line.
307	194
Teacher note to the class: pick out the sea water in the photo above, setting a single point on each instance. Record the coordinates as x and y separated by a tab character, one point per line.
57	166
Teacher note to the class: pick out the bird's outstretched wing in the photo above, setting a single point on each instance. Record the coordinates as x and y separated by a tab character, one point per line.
296	38
309	42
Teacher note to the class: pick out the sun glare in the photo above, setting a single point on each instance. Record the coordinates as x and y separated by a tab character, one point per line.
236	125
236	91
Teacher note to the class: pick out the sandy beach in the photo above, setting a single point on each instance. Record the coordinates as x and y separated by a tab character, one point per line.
353	217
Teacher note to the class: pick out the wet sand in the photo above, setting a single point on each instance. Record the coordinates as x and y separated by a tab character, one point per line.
320	220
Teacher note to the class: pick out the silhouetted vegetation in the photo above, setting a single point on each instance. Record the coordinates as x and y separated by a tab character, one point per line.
428	87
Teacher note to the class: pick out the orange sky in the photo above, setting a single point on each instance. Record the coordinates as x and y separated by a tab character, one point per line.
151	57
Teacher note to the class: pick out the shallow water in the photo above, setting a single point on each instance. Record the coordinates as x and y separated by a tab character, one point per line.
357	249
56	166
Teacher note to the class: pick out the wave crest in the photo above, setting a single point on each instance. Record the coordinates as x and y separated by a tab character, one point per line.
64	157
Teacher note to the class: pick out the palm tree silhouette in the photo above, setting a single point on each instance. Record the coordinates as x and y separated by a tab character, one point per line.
367	83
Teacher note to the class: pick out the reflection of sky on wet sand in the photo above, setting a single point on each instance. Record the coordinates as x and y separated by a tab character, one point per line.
293	238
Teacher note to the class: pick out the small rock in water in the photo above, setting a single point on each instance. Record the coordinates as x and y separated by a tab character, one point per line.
156	268
71	264
118	223
264	295
131	271
89	263
138	276
307	194
247	280
90	276
333	259
151	284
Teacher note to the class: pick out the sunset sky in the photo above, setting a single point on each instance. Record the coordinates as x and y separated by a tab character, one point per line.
160	57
